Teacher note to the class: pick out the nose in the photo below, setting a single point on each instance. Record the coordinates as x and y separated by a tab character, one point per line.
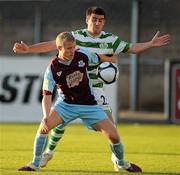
73	50
97	22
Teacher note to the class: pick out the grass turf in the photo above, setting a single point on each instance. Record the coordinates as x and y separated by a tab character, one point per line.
156	148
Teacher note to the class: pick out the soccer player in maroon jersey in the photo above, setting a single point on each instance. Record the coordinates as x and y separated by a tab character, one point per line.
68	71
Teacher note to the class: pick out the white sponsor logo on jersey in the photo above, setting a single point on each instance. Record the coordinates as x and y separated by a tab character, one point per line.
81	63
74	79
59	73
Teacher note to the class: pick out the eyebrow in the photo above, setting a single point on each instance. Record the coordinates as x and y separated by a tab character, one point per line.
98	18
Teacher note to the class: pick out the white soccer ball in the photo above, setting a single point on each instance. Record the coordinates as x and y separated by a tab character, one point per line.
107	72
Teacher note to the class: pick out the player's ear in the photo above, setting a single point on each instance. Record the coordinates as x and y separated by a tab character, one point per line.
104	21
59	47
87	19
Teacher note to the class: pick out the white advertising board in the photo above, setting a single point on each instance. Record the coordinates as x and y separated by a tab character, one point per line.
20	85
20	88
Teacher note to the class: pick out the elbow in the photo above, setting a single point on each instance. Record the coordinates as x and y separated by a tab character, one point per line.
135	51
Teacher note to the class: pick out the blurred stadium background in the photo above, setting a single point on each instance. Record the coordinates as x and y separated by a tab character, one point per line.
42	20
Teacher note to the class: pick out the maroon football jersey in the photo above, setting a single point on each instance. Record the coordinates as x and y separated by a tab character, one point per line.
72	80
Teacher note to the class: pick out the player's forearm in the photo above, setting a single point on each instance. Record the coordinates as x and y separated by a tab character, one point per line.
46	104
140	47
42	47
104	58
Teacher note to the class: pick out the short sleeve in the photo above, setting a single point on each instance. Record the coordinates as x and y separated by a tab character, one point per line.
48	83
120	46
92	57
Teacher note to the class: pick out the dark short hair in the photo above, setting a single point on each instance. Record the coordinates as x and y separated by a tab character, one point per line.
95	10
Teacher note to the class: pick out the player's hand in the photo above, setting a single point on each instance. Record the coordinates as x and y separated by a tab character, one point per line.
20	48
158	40
44	126
114	58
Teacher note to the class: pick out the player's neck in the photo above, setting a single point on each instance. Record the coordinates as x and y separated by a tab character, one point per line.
93	34
63	58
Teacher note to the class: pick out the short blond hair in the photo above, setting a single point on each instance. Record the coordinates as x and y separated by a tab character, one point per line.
64	36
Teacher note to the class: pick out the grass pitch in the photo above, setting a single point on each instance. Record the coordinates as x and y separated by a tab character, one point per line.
156	148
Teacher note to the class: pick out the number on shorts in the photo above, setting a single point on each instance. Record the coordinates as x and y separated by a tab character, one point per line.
104	100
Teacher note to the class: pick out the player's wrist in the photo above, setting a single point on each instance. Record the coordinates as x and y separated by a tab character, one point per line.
151	44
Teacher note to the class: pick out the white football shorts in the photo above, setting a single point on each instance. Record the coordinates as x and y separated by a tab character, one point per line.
101	99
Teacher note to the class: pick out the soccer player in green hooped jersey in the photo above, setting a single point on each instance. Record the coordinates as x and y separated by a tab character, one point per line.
96	40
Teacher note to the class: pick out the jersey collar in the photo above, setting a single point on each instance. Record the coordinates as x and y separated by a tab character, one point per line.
88	34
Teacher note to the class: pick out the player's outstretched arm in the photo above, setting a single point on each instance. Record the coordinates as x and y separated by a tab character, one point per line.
157	41
23	48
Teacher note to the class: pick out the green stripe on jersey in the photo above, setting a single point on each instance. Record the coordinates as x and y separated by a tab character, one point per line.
98	85
127	47
84	33
92	67
92	76
80	32
116	44
93	45
106	35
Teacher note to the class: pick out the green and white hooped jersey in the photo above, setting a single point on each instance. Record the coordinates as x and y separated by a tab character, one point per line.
105	43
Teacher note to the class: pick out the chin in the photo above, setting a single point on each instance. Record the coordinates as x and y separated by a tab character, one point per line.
97	31
71	57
